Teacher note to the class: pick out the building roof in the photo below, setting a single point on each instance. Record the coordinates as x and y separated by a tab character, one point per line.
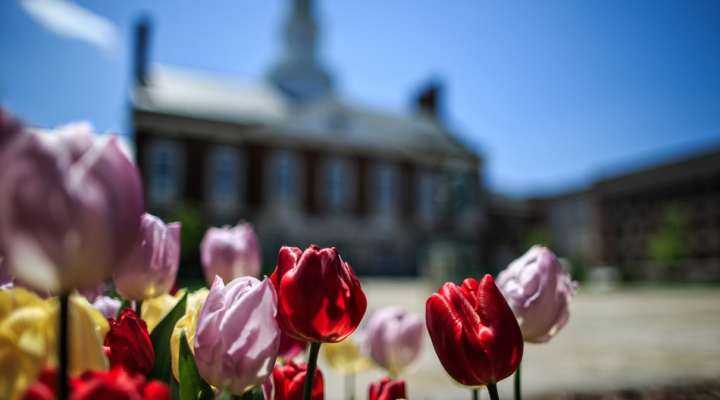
184	92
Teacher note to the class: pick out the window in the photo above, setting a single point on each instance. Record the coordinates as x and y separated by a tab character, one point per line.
165	165
223	177
425	194
384	188
283	181
285	177
337	184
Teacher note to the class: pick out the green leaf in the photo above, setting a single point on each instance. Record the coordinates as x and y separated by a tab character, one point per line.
125	304
192	385
174	390
255	394
160	338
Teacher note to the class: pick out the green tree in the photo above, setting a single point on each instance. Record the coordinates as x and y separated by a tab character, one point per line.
537	234
666	245
193	229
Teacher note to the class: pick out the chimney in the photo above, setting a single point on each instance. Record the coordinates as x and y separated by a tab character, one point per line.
428	101
142	37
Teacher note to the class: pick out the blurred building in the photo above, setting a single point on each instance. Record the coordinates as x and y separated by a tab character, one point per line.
661	222
288	155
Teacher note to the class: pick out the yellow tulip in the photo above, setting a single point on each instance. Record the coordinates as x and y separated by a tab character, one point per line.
88	328
345	356
189	322
28	338
155	309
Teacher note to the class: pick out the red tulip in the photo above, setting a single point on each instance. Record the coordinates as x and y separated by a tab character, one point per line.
319	296
116	384
387	389
474	332
128	344
289	382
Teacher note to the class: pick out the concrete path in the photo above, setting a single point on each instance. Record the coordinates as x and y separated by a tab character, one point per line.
626	338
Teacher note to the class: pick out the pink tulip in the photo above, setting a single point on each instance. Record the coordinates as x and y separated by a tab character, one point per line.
392	338
237	337
70	208
154	268
93	292
107	306
538	291
230	253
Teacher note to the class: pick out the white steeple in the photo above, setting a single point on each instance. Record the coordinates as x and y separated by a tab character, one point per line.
298	74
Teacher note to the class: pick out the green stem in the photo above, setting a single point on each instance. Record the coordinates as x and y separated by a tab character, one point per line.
476	393
63	344
138	308
311	365
518	396
492	390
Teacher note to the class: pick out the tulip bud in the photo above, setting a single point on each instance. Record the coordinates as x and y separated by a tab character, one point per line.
237	338
128	344
93	292
9	128
154	310
107	306
387	389
70	209
319	296
116	384
188	322
538	291
8	281
230	253
154	268
474	332
289	382
6	277
392	338
29	333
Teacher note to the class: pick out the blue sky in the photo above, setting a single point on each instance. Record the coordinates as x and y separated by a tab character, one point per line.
552	93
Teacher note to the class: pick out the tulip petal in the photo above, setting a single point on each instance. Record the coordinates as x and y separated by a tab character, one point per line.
504	347
448	338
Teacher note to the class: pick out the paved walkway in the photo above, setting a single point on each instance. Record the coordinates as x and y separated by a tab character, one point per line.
619	339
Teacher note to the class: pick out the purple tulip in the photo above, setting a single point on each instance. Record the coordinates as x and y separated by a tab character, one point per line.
538	291
8	281
392	338
5	275
69	209
237	337
107	306
93	292
9	128
230	253
154	268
